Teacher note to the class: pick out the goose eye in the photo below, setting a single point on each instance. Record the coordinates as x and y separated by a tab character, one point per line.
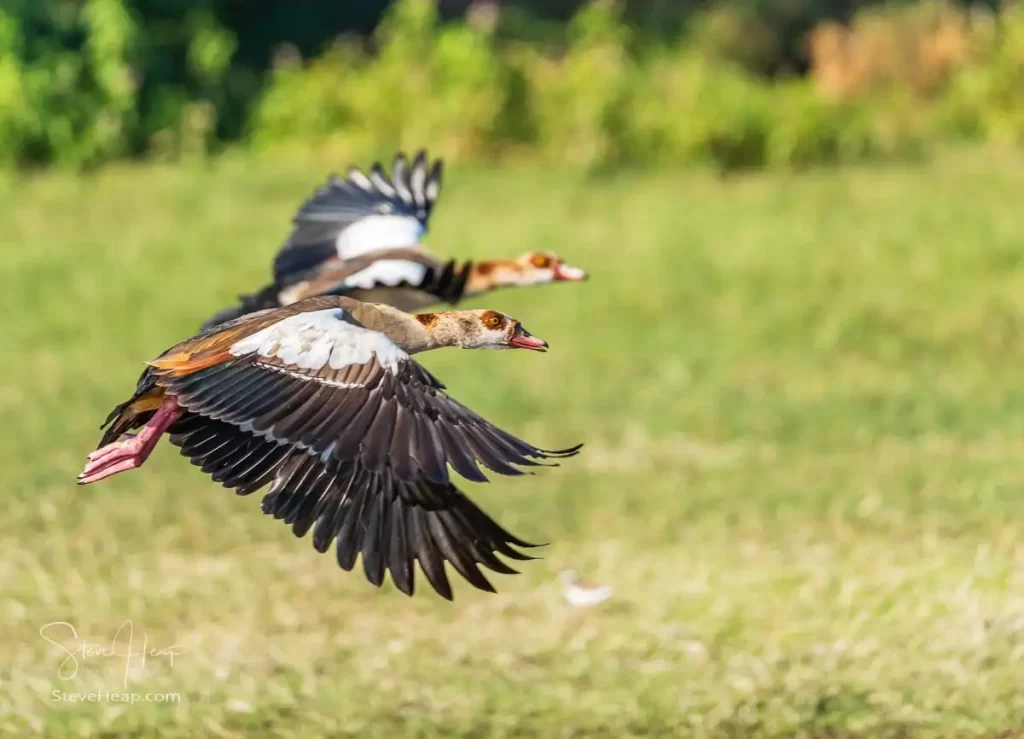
493	320
540	261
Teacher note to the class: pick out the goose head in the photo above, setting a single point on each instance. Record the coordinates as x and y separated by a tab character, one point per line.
539	267
532	268
479	329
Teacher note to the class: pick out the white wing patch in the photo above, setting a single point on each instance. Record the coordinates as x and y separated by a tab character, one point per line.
378	232
312	340
389	272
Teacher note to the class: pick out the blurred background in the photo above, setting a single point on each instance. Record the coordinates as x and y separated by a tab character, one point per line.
735	83
795	366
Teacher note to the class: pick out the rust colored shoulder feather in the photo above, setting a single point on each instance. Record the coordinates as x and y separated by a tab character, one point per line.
212	347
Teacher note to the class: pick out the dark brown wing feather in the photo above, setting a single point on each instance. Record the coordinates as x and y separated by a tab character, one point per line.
400	423
389	522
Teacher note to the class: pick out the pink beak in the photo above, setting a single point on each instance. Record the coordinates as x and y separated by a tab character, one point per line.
524	340
568	273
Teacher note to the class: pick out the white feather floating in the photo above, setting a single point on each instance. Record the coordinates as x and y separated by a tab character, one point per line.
582	596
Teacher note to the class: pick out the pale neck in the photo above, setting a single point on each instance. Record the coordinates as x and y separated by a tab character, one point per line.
489	275
401	327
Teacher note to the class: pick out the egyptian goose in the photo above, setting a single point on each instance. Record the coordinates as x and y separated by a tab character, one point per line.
322	401
360	237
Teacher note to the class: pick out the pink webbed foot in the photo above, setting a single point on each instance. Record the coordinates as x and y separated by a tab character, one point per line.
129	453
127	445
119	456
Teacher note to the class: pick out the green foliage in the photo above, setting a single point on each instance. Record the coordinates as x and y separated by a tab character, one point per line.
684	108
80	83
984	99
85	83
110	32
192	122
65	106
426	84
688	108
579	102
590	102
15	121
812	130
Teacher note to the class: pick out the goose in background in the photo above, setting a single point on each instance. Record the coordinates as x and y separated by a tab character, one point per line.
359	236
322	401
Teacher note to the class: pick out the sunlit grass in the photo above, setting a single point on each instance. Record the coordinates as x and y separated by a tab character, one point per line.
805	429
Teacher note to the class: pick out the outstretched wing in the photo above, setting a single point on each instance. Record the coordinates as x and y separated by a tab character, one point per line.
362	212
391	523
348	394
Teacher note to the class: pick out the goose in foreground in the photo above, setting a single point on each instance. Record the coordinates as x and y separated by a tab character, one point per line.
359	236
322	401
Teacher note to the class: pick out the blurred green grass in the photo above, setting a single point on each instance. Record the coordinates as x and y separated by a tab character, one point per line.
804	421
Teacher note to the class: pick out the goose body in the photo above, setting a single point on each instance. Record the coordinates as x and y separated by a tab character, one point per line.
359	236
323	402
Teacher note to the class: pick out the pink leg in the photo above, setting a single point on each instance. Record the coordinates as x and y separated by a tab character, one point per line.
129	453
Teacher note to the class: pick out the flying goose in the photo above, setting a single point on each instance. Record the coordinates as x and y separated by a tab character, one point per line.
360	237
322	401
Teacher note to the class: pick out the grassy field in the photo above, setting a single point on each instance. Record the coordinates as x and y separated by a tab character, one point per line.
804	416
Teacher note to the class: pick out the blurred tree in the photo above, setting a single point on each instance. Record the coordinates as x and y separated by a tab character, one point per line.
82	81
